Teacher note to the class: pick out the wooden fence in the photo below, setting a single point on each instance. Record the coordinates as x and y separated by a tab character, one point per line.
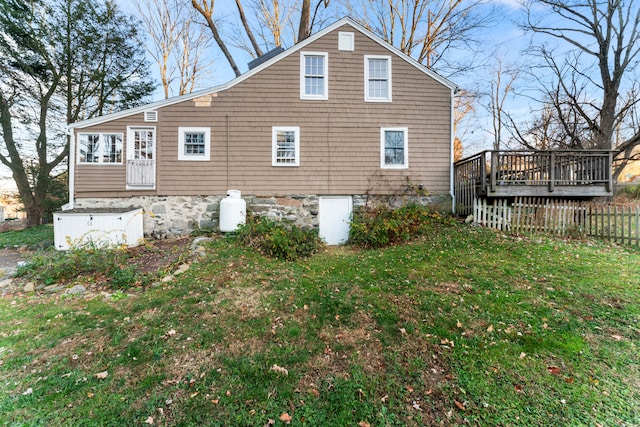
496	215
620	224
615	223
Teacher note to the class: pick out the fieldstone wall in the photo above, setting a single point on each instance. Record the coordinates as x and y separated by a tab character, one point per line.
164	215
175	215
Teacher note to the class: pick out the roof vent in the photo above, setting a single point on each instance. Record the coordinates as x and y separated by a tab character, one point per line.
345	41
150	116
264	58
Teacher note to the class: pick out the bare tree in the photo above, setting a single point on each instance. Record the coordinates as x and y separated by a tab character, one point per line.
464	105
275	20
500	87
178	43
307	18
205	8
586	83
427	30
543	132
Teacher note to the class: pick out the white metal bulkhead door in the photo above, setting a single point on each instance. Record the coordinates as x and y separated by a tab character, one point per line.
334	217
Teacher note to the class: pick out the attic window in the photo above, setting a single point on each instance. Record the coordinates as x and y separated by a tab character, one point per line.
346	41
377	78
314	70
150	116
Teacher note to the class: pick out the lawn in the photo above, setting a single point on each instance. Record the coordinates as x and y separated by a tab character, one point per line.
32	238
460	327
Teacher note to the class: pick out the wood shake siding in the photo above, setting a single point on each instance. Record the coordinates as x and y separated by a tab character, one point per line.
339	137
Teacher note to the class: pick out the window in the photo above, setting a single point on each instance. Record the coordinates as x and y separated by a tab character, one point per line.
286	146
194	143
100	148
394	149
377	78
313	76
141	143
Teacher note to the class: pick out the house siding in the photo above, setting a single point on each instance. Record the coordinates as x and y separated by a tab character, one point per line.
339	137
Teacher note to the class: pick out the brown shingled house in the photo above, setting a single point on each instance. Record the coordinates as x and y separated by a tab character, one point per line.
305	134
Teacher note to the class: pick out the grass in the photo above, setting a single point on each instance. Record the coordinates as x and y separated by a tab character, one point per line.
34	238
462	327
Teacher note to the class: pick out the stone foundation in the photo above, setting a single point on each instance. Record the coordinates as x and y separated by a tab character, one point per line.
175	215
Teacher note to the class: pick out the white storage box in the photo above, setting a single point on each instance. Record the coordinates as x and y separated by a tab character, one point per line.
101	227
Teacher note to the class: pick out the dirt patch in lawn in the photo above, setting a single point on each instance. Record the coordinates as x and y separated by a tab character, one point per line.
158	255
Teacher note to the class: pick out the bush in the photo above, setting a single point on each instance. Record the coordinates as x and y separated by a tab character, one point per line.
382	226
628	191
279	239
50	267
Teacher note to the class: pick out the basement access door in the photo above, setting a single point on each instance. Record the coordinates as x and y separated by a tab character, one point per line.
334	214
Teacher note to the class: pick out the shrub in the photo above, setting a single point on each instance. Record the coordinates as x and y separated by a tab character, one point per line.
279	239
50	267
124	277
382	226
628	191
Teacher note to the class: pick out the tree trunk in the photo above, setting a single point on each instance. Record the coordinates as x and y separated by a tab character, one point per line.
305	17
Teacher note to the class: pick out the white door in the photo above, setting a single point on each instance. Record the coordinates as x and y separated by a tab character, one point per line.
141	155
334	216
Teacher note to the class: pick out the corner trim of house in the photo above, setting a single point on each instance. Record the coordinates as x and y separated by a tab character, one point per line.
72	168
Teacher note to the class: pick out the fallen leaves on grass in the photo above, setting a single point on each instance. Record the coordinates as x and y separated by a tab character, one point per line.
279	370
554	370
285	418
102	375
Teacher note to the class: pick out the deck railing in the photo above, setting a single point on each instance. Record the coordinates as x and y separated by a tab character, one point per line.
141	173
506	173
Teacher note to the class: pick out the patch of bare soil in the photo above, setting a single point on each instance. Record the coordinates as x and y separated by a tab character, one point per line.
9	257
158	255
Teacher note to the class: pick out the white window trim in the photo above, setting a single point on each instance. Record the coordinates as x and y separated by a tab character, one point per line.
325	95
207	144
405	130
367	98
274	145
101	136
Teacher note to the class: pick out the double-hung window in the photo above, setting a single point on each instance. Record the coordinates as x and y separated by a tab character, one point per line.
194	143
286	146
314	81
377	78
394	148
100	148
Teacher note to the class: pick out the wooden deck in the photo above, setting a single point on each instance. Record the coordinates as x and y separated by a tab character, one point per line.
513	173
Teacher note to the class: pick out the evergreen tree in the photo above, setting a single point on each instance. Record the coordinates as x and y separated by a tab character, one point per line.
61	61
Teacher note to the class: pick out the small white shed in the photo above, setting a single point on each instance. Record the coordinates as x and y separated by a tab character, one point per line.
102	227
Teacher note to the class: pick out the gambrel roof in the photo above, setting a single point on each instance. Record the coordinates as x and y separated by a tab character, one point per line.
209	91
